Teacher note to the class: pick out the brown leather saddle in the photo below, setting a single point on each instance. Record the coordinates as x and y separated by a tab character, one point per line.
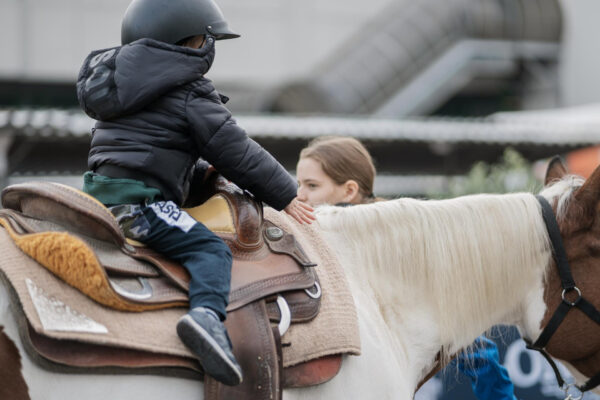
273	282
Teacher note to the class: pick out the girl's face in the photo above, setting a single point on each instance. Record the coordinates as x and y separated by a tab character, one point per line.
315	187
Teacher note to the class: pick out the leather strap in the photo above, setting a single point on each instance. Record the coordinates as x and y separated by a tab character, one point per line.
560	255
255	348
557	318
568	284
285	243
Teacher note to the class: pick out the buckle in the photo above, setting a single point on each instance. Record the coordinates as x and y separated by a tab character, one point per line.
573	303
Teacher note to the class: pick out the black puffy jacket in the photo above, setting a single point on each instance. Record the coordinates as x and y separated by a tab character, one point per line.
157	115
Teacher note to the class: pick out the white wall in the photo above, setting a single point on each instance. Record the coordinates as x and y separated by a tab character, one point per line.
281	39
580	65
48	39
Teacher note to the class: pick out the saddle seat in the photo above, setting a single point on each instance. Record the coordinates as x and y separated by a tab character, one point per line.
79	240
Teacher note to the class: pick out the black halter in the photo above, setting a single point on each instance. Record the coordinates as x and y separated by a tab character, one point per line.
568	285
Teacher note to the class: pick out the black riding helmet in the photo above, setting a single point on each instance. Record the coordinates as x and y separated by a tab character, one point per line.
171	21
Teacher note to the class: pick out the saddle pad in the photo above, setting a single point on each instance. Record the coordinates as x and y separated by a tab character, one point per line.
59	311
335	329
76	262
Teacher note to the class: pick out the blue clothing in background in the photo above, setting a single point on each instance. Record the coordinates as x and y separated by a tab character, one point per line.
489	379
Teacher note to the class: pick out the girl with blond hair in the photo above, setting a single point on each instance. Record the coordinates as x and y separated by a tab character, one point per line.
335	170
339	170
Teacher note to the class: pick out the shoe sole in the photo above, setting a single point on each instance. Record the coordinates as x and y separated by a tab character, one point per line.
210	354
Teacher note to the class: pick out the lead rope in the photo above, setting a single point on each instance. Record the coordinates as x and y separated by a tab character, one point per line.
568	285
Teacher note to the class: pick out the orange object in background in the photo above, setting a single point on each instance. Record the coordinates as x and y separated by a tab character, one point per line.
583	162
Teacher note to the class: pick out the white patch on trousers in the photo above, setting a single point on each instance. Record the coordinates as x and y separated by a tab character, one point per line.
173	215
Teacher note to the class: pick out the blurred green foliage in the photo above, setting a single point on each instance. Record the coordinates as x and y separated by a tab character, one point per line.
512	174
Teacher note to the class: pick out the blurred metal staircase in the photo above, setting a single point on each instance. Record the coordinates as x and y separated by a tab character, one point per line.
418	54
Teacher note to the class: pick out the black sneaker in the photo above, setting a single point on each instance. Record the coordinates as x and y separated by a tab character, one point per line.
207	337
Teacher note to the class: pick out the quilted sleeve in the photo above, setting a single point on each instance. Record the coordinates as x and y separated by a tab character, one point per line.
237	157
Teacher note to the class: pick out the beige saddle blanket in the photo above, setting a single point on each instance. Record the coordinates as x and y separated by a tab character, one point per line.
57	310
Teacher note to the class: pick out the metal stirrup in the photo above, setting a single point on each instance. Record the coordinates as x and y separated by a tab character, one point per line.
144	294
286	315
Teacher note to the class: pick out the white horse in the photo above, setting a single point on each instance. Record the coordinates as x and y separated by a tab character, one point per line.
428	277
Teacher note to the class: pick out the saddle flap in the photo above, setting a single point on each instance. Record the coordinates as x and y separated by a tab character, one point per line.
73	355
65	206
276	273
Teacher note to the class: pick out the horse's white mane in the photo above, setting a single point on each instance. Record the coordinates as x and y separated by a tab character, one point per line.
477	254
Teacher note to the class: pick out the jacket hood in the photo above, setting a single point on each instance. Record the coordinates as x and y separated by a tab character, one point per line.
122	80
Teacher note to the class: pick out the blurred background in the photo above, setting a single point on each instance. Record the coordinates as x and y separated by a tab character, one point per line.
450	96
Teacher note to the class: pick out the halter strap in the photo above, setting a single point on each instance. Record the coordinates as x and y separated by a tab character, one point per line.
568	284
560	255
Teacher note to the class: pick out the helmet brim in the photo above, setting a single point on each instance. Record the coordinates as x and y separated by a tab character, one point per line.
222	33
225	36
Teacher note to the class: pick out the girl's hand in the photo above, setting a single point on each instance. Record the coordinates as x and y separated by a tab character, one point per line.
300	211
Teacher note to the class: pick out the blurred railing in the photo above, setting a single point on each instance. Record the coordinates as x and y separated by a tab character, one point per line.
413	155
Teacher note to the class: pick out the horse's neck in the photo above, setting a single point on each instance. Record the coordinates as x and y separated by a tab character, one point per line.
451	269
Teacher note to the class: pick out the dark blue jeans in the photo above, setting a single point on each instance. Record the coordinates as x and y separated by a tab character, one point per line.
166	228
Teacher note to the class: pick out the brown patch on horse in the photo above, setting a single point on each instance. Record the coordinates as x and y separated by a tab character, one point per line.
437	367
577	340
12	383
